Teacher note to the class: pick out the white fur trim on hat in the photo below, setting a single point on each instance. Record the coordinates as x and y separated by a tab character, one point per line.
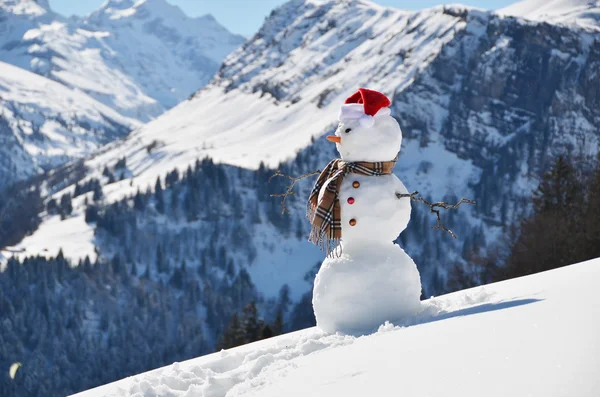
356	111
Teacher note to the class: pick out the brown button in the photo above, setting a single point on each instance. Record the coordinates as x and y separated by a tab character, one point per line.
355	184
350	200
352	222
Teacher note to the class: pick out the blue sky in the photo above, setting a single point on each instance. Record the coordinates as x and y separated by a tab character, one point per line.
246	16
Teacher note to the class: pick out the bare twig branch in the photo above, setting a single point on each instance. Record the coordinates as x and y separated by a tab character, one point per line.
289	191
439	204
433	207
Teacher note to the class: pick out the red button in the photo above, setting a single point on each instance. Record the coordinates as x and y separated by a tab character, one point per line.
352	222
350	200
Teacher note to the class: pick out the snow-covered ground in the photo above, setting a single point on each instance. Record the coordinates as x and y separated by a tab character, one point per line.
75	235
585	13
531	336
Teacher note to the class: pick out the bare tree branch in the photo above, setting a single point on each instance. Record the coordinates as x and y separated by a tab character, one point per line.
439	204
289	191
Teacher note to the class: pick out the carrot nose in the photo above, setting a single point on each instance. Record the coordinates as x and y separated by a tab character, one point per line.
334	138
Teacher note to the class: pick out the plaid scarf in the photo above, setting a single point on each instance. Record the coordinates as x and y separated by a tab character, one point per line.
325	214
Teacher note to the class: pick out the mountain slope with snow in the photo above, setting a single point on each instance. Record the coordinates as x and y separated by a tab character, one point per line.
244	128
44	124
482	118
585	13
139	58
535	335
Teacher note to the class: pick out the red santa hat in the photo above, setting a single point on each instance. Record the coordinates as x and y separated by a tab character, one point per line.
363	105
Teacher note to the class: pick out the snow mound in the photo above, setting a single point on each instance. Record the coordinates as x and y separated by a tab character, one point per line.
585	13
535	335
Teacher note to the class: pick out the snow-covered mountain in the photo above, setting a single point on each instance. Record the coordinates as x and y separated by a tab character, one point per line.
100	75
584	13
44	124
485	103
138	57
535	335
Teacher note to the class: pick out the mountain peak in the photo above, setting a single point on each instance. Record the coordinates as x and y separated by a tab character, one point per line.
118	4
170	24
25	7
140	9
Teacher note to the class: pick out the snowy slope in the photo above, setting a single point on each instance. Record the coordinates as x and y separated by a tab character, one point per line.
531	336
585	13
244	128
139	58
44	124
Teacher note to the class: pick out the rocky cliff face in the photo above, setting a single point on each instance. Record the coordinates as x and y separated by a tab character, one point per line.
518	95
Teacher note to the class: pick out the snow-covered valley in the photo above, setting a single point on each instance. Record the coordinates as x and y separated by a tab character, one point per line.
531	336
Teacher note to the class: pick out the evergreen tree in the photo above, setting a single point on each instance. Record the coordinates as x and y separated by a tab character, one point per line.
91	214
138	201
266	332
278	325
161	260
549	237
251	323
52	206
121	164
234	335
591	223
98	194
66	206
159	197
109	175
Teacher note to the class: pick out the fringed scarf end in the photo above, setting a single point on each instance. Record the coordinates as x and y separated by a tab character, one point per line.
331	246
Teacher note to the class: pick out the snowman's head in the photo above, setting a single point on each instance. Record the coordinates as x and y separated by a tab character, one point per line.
367	131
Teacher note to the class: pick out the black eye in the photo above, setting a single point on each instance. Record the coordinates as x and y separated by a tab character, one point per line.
348	130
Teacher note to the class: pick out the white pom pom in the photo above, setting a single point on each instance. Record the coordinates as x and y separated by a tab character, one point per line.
367	121
384	112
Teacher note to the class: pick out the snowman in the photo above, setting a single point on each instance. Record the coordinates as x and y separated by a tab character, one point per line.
357	211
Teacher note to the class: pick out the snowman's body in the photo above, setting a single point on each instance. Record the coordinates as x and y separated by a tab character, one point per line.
380	215
373	280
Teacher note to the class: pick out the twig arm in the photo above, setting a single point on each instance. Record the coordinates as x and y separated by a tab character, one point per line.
290	188
435	208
